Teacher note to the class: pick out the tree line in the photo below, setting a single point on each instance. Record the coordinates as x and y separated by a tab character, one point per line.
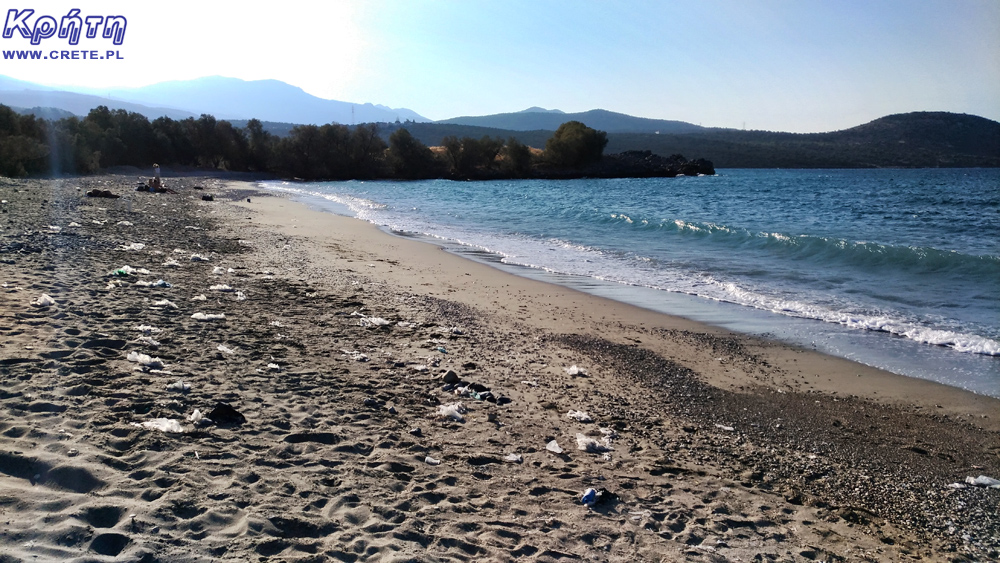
106	138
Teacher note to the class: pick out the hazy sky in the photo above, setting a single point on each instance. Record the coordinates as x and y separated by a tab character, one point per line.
790	65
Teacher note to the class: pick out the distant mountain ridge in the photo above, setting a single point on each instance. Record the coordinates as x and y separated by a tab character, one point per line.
534	119
225	98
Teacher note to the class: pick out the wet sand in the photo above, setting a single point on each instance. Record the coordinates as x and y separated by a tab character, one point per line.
337	344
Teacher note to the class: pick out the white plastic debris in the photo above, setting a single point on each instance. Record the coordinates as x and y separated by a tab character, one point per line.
179	386
553	447
276	323
196	417
144	360
165	303
453	411
208	317
590	445
573	370
240	296
54	228
43	301
148	341
513	458
957	486
274	367
168	425
355	355
124	224
983	481
195	257
590	497
74	224
134	246
199	298
432	461
218	271
373	321
172	264
225	350
220	287
724	428
456	330
579	416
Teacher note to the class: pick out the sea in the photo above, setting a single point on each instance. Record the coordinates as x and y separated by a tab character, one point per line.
893	268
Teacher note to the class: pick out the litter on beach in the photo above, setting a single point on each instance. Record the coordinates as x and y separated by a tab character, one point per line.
590	497
148	341
373	321
218	271
179	386
144	360
165	303
168	425
172	264
199	298
453	411
43	301
157	283
196	257
573	370
208	316
724	428
579	416
225	350
983	481
432	461
133	246
513	458
553	447
127	270
147	329
220	287
590	445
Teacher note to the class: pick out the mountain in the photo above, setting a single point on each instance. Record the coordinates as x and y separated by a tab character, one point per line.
536	109
549	120
266	100
81	104
225	98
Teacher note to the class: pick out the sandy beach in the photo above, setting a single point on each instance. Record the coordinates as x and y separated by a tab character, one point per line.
249	379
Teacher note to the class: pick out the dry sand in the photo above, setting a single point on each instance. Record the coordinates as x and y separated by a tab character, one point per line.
335	346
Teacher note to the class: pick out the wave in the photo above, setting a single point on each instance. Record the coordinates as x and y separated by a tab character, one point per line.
560	256
830	250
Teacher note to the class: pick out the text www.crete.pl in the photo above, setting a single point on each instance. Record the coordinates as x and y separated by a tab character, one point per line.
63	55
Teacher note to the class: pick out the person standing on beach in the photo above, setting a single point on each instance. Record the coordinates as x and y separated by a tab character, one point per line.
156	176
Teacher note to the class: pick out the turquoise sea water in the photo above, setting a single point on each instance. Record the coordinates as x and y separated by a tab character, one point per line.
894	268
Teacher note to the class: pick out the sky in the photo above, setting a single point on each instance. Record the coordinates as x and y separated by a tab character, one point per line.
779	65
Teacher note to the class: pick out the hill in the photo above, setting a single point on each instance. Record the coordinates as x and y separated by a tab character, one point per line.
533	119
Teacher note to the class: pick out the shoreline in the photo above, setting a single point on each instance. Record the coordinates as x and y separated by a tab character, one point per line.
334	344
327	207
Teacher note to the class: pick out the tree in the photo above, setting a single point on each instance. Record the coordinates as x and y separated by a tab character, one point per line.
517	158
409	158
575	145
